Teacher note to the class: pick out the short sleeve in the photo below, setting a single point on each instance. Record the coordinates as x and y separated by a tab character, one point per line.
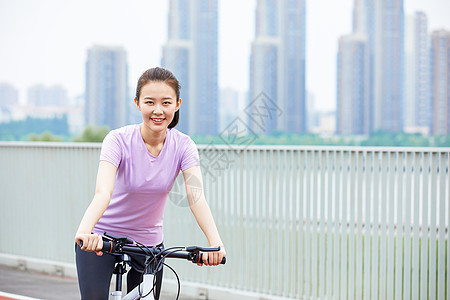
111	149
190	157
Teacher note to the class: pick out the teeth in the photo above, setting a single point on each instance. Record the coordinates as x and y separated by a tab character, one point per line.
157	120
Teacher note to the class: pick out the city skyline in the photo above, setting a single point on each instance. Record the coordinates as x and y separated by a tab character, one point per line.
52	55
384	73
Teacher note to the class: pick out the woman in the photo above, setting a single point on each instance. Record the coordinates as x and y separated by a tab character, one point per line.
138	167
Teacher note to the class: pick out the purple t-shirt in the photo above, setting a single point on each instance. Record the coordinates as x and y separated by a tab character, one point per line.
143	182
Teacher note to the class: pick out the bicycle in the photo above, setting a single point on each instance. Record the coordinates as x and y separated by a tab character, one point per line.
123	247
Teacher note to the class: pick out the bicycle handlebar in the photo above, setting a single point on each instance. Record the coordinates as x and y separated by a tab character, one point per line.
122	246
193	253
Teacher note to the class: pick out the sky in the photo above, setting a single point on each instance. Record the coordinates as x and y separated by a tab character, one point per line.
46	41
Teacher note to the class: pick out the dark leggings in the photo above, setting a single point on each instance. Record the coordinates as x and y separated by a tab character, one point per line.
95	272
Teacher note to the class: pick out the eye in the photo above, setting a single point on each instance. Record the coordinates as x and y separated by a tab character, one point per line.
149	102
166	102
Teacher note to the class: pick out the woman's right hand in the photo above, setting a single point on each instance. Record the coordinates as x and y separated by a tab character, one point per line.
91	242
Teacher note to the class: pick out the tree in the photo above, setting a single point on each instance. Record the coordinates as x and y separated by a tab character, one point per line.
382	138
92	134
20	130
442	141
47	136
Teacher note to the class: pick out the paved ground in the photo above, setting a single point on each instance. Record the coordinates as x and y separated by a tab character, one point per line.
42	286
36	285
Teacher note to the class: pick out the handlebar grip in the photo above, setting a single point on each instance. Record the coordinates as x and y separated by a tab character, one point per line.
198	258
108	246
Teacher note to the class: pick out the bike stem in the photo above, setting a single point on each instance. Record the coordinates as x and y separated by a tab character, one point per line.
119	270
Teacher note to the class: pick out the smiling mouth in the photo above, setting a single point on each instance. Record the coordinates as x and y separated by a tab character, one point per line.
157	120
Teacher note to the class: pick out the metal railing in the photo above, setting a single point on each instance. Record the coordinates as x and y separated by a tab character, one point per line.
298	222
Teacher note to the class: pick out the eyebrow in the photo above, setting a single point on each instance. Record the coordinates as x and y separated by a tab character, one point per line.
163	98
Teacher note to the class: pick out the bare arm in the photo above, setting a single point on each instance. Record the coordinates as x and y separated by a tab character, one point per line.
104	187
202	213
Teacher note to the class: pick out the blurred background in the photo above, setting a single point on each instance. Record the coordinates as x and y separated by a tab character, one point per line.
343	222
336	72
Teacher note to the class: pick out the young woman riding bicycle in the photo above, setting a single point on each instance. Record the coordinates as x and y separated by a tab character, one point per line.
138	166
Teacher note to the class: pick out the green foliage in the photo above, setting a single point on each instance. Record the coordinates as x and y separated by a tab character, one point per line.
442	141
290	139
20	130
56	129
47	136
92	134
380	138
207	139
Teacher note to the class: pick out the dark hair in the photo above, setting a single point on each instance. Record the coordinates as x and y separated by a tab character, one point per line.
164	75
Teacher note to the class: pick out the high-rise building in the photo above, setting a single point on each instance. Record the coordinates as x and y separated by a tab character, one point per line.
191	53
277	66
232	104
53	103
41	96
106	87
9	98
382	22
311	108
352	116
417	102
440	61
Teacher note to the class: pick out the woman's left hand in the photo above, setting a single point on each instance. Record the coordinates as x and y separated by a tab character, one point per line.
213	258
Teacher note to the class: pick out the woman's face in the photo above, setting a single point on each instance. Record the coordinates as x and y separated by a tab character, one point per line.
158	104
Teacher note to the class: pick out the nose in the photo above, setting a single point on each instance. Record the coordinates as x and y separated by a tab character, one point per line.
157	110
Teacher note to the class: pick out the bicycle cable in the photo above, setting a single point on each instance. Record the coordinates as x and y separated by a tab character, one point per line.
161	263
157	268
147	263
178	280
